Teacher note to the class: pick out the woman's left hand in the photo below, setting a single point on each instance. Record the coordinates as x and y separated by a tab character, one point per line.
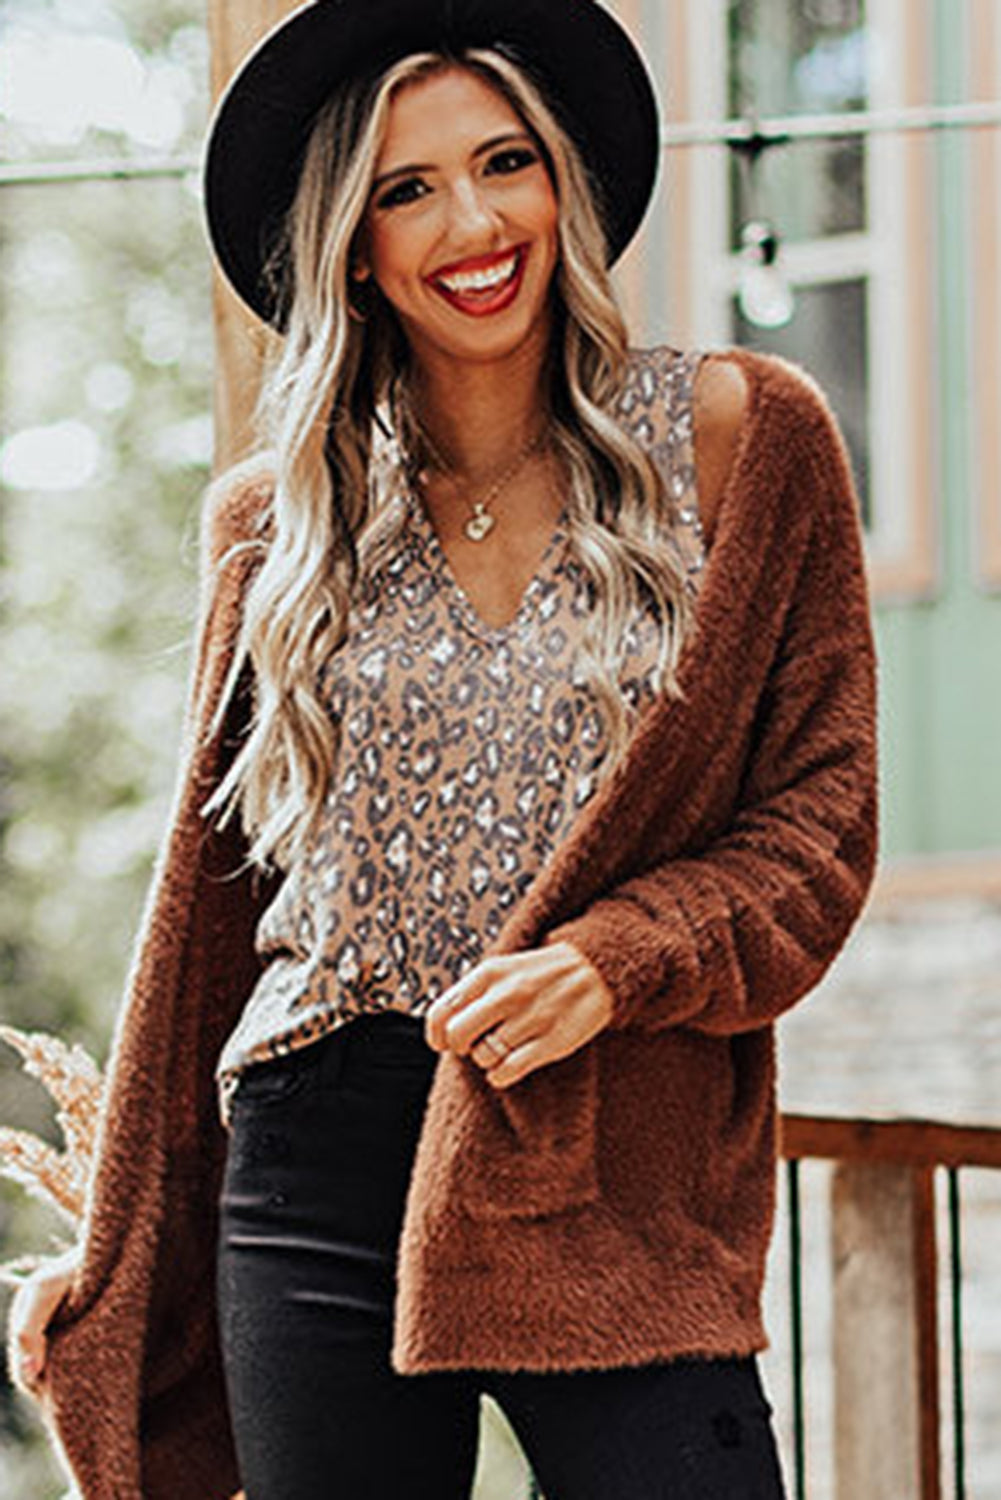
517	1012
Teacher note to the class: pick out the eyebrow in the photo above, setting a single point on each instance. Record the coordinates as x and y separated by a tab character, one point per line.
417	167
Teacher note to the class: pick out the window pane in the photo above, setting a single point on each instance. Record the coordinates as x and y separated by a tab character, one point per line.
800	57
828	337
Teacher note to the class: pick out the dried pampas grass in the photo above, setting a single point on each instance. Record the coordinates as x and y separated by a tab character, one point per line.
57	1177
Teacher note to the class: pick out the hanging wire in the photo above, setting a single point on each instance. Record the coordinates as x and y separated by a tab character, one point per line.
748	133
781	130
36	173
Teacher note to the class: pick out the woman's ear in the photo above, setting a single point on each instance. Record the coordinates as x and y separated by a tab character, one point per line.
361	290
359	263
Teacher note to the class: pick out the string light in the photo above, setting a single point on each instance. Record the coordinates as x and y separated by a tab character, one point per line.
765	296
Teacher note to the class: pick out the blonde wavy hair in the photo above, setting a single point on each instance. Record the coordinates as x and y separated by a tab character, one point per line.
334	414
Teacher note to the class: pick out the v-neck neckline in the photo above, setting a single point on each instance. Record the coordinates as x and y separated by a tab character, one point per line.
464	605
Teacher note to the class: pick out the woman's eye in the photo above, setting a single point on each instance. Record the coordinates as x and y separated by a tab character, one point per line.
407	191
512	160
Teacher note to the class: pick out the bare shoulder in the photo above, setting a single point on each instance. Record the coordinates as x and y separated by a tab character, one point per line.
722	396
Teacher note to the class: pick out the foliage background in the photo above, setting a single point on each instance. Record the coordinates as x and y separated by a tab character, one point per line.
105	441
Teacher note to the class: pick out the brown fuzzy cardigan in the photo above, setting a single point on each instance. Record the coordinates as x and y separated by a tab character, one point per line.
615	1207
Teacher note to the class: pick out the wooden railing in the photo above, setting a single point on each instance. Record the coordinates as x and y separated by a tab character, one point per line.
888	1381
887	1378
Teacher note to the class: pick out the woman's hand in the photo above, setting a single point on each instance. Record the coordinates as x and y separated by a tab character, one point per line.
30	1314
517	1012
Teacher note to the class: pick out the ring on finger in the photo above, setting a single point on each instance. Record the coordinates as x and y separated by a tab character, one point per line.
499	1049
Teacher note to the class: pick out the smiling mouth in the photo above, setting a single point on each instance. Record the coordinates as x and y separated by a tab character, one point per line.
483	288
490	280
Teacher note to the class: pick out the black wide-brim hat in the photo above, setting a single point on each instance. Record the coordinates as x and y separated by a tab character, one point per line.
586	66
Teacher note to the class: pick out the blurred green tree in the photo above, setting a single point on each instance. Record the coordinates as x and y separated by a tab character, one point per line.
105	443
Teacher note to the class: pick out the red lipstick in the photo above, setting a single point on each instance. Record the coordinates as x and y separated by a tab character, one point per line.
487	301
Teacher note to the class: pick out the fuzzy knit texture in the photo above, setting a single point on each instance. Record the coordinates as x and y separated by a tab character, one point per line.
615	1207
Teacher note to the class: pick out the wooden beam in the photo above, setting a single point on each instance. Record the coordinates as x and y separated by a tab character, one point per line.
235	26
885	1377
938	876
916	1143
631	271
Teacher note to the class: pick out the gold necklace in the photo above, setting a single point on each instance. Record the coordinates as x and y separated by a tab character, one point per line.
481	523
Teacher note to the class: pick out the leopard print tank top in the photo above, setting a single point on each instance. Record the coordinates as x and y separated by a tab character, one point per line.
466	752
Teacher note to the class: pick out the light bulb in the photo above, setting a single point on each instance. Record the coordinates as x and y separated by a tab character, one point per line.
765	296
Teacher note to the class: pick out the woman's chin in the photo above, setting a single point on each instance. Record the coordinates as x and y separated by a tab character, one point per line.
479	340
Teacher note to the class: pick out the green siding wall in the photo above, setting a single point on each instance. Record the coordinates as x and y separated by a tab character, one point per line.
941	660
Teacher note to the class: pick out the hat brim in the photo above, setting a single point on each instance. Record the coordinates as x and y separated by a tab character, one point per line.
586	65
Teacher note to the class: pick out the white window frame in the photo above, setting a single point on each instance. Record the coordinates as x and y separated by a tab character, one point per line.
892	256
985	278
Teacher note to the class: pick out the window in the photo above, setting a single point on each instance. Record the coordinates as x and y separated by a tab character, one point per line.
852	217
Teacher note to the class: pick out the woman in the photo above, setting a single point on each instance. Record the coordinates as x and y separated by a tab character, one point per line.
504	831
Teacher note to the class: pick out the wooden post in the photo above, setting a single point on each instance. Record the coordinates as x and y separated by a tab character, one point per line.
240	338
630	274
885	1333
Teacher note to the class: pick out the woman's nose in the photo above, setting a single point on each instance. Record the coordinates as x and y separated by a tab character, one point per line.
471	209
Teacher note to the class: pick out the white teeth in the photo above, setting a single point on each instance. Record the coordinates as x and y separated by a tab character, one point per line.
480	281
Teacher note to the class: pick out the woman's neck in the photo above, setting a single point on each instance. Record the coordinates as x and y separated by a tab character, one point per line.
478	415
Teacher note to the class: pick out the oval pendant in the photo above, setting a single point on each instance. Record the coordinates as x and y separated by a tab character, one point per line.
480	526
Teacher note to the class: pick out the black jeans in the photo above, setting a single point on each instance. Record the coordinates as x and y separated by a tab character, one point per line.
318	1165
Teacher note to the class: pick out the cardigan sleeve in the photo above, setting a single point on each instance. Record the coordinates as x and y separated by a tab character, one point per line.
234	521
726	939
